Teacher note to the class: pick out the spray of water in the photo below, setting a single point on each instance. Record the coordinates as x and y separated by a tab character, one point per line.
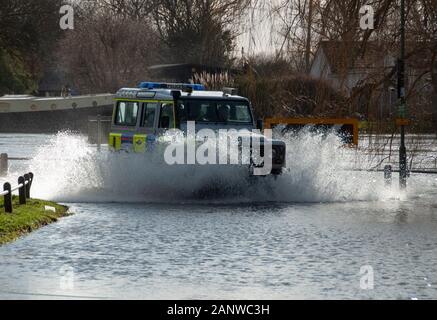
68	169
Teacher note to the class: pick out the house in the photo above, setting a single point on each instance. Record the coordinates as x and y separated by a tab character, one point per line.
367	74
343	65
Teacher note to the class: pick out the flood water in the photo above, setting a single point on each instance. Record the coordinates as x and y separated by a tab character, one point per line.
137	233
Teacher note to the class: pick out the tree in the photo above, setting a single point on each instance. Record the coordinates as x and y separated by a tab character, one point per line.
28	31
14	78
107	51
133	9
198	31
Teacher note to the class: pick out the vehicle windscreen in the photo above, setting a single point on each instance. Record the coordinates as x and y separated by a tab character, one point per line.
210	111
127	113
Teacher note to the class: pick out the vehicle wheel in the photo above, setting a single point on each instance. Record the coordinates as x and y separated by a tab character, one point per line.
276	172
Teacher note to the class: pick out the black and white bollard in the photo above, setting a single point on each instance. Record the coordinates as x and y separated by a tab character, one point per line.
30	182
22	190
4	165
27	185
387	175
7	197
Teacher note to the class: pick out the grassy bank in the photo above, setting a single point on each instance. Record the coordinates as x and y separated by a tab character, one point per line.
26	218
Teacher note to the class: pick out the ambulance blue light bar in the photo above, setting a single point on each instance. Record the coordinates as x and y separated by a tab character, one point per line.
163	85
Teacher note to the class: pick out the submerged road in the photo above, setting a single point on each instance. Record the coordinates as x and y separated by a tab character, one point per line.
374	248
140	251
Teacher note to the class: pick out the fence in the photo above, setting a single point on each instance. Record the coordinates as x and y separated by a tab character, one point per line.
4	163
23	187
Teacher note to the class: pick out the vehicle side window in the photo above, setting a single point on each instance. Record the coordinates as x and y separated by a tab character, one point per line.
166	120
207	112
238	112
149	115
127	113
202	111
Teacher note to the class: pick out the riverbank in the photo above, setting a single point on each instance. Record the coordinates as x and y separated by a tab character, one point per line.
27	218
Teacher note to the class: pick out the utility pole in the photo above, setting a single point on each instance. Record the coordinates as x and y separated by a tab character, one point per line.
402	103
308	40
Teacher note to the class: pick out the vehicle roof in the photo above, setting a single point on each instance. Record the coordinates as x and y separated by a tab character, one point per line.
166	94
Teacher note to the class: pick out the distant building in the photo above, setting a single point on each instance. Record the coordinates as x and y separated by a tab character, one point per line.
342	65
370	71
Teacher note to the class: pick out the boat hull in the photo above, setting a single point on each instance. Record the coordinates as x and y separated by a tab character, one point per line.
51	121
39	115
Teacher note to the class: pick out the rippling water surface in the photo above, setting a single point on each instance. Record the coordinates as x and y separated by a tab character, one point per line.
304	235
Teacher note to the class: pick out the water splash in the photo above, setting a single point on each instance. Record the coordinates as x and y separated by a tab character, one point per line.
68	169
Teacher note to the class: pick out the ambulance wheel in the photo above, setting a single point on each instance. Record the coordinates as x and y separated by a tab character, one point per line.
276	172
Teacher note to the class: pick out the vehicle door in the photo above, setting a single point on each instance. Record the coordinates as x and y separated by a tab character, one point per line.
145	137
124	126
167	117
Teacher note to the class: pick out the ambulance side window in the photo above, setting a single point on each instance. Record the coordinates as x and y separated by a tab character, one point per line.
149	115
166	120
127	113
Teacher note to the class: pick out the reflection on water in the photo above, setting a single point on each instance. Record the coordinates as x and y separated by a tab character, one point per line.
246	251
224	249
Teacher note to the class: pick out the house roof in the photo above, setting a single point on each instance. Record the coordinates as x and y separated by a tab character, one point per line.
344	56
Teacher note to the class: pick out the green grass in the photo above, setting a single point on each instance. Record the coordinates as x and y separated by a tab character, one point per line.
26	218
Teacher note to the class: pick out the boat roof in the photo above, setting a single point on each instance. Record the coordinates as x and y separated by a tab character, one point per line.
16	97
20	97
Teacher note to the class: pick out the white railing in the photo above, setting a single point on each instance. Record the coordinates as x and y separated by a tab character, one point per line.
23	187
